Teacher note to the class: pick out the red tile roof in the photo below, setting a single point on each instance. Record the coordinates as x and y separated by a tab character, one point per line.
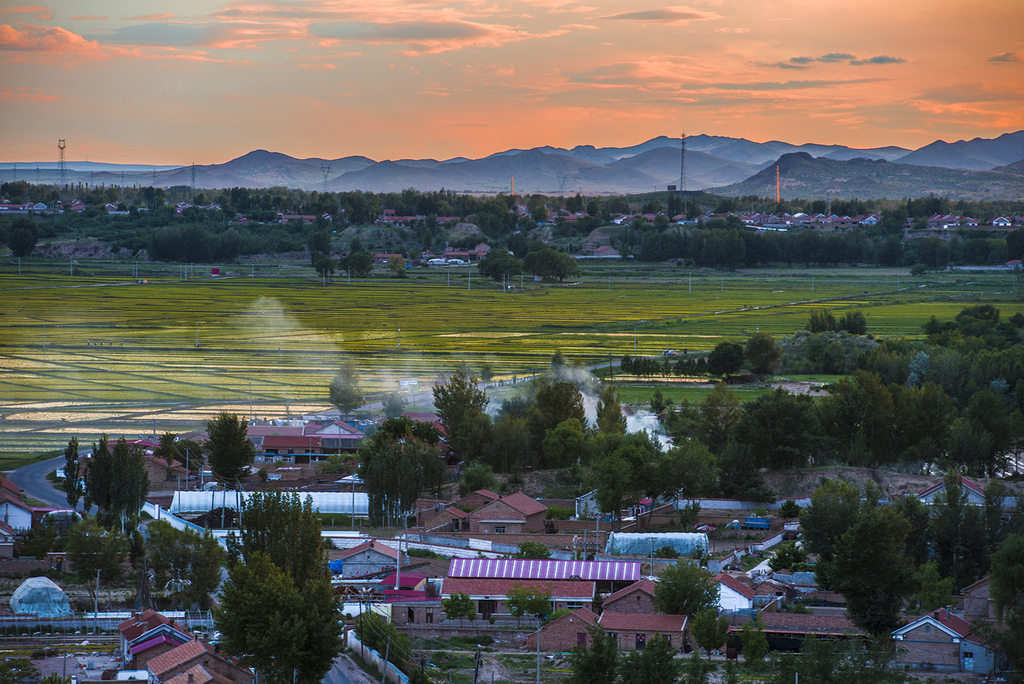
499	588
645	585
7	484
200	675
967	482
736	585
799	623
524	504
372	544
179	655
143	622
638	622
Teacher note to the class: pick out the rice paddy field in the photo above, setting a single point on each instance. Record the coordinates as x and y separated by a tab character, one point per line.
111	350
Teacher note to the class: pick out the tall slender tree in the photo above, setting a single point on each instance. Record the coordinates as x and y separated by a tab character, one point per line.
230	451
72	475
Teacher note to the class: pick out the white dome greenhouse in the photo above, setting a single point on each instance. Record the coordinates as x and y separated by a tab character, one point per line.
41	597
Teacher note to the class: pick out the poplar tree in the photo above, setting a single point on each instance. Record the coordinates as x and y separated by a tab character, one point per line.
72	475
230	451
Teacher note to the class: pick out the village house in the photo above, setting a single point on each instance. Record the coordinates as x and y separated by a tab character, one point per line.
636	598
565	632
511	514
632	631
449	519
733	595
943	641
976	601
13	512
180	659
975	493
163	475
148	635
7	539
491	595
369	558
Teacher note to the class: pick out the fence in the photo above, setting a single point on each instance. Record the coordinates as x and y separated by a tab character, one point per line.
371	657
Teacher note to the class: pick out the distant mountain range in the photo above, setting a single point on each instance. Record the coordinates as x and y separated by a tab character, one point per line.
974	169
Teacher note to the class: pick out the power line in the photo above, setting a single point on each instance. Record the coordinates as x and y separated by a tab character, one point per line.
326	170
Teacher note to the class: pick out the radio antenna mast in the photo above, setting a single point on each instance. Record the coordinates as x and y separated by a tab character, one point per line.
682	161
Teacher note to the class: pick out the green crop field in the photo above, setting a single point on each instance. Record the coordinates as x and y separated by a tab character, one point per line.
101	351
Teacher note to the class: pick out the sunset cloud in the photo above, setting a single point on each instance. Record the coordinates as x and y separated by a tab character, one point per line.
1006	57
27	95
667	15
833	58
150	17
87	17
37	12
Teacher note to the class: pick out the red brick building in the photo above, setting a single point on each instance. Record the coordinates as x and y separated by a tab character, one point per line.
182	658
565	632
512	514
943	641
148	635
636	598
632	631
491	595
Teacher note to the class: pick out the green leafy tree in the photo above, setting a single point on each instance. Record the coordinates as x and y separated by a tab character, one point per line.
532	550
958	534
834	507
73	488
345	389
22	236
528	600
459	606
610	418
1006	588
17	671
853	323
656	664
286	630
360	263
461	406
686	589
396	265
91	548
564	444
319	245
821	320
130	486
230	451
933	591
549	263
614	482
781	429
762	353
755	643
499	264
786	556
872	571
710	630
596	663
286	529
726	358
477	476
719	412
176	555
396	472
99	474
393	405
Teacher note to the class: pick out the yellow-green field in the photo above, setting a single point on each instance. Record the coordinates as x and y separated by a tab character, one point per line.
100	351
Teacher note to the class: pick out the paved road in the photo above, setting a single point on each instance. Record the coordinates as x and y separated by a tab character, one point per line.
32	480
345	671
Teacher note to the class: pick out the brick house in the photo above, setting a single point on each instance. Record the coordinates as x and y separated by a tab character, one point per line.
976	601
476	499
734	595
786	631
512	514
450	519
164	476
13	512
368	558
565	632
943	641
491	594
632	631
148	635
636	598
7	539
182	658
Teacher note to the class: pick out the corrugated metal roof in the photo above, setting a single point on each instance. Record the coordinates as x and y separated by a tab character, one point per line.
501	568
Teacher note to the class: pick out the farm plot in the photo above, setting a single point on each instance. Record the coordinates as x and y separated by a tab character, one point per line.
109	353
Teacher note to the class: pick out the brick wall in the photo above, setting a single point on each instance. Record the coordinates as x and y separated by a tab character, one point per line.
560	635
931	649
638	602
496	510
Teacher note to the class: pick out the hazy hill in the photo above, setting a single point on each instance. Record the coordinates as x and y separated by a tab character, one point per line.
978	154
702	170
802	175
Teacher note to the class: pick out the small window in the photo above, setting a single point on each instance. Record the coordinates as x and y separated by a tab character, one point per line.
430	616
499	529
574	605
411	615
641	641
927	628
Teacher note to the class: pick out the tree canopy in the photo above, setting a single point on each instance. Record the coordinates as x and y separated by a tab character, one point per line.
230	451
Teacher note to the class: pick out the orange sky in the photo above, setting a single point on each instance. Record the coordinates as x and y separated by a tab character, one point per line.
183	81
